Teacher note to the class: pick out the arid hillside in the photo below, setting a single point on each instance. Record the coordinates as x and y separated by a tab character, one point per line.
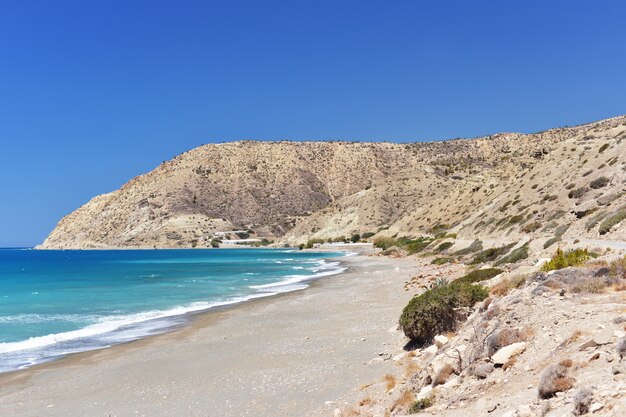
559	183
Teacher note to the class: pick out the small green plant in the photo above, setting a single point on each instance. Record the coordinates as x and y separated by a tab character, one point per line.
599	183
479	275
609	222
551	242
441	261
367	235
420	405
560	260
475	246
515	256
443	246
491	254
355	238
531	227
577	193
603	148
311	242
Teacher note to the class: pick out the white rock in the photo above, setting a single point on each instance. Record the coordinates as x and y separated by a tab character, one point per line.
337	412
510	413
441	340
399	357
542	261
507	352
596	407
525	411
603	337
619	334
424	392
452	382
431	349
396	269
393	329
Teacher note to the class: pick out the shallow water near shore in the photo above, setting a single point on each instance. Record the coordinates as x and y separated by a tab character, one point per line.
53	303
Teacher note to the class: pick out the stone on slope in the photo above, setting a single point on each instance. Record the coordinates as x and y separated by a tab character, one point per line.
507	352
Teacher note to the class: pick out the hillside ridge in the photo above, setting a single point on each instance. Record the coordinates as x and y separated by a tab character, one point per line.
500	185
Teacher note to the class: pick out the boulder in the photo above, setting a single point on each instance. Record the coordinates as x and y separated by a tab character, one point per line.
507	352
603	337
441	340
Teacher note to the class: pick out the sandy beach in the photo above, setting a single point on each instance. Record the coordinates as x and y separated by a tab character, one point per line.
284	356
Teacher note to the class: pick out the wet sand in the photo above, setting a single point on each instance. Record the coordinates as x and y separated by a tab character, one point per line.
281	356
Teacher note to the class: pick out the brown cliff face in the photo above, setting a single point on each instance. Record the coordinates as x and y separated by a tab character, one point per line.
506	184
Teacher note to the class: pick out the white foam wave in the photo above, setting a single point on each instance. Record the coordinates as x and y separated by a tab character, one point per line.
111	324
295	279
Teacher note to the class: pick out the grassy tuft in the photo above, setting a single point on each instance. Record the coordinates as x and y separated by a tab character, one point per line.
560	260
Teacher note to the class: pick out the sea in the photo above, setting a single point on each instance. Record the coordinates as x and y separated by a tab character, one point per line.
57	302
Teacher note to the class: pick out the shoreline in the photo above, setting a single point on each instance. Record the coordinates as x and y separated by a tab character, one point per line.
28	392
183	318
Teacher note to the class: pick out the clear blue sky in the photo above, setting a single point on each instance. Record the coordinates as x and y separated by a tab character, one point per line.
94	93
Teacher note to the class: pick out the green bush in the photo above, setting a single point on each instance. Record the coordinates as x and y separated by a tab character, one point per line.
417	245
367	235
355	238
531	227
577	193
420	405
243	235
603	148
311	242
441	261
551	242
560	260
434	311
599	183
478	275
491	254
475	246
385	243
515	256
611	221
443	246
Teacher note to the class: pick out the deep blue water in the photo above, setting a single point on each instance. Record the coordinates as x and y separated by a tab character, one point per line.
57	302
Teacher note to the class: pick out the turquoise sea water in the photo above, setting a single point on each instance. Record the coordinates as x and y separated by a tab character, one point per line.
57	302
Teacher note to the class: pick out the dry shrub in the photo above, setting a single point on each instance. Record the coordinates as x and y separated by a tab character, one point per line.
404	401
411	368
390	381
491	313
576	334
555	379
480	370
485	305
365	401
617	268
589	286
507	284
509	364
582	401
621	347
442	375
